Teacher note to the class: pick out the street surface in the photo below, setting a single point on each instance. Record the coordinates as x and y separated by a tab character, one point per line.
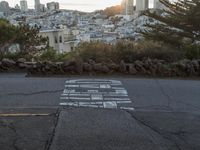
102	113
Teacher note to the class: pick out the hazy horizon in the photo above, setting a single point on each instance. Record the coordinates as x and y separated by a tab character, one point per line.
87	5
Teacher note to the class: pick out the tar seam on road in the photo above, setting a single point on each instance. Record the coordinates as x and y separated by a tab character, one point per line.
170	99
13	129
50	140
34	93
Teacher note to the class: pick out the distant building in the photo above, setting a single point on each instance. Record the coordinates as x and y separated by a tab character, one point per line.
42	8
17	7
23	5
127	7
142	5
60	39
52	6
83	37
4	8
158	5
2	15
37	5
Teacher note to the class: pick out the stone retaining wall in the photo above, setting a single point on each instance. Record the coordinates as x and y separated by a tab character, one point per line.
184	68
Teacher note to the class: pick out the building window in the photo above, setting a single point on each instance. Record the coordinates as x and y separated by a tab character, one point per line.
56	40
60	39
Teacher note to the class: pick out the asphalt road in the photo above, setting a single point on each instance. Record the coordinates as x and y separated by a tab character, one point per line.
164	114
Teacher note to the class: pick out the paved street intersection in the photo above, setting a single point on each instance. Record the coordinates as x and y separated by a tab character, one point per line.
113	113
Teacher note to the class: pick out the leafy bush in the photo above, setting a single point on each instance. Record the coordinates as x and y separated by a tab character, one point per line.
127	51
51	55
192	51
130	51
63	57
13	56
48	55
124	50
97	51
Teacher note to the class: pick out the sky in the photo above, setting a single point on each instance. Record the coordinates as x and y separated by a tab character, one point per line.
82	5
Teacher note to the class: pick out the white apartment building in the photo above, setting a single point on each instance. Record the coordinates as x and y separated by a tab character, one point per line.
83	38
37	5
4	8
23	5
127	7
142	5
59	39
52	6
2	15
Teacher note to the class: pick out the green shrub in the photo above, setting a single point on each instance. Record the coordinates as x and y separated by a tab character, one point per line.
192	51
63	57
128	51
51	55
13	56
48	55
97	51
131	51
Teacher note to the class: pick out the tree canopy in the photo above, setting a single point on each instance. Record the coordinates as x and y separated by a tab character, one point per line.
27	37
7	34
177	24
112	11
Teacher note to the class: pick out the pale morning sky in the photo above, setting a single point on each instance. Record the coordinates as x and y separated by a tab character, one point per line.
82	5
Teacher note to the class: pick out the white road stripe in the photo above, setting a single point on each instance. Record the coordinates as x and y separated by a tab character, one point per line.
124	102
117	99
127	108
110	104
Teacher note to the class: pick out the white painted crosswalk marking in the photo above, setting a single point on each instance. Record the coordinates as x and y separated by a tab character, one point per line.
96	93
110	104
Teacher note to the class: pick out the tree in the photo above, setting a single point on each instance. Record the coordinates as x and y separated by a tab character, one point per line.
27	37
7	35
112	11
178	24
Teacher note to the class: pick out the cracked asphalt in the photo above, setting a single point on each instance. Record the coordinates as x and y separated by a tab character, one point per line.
166	116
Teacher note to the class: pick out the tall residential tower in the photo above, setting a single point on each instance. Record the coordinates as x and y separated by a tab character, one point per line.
37	5
53	6
23	5
4	7
142	5
127	7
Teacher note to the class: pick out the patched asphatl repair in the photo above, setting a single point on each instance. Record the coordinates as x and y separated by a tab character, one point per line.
96	93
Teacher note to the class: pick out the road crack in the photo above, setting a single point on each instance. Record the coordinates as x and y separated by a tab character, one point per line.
154	129
165	94
34	93
14	130
169	99
50	140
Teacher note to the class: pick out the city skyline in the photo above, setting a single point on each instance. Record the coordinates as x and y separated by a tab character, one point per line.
87	5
